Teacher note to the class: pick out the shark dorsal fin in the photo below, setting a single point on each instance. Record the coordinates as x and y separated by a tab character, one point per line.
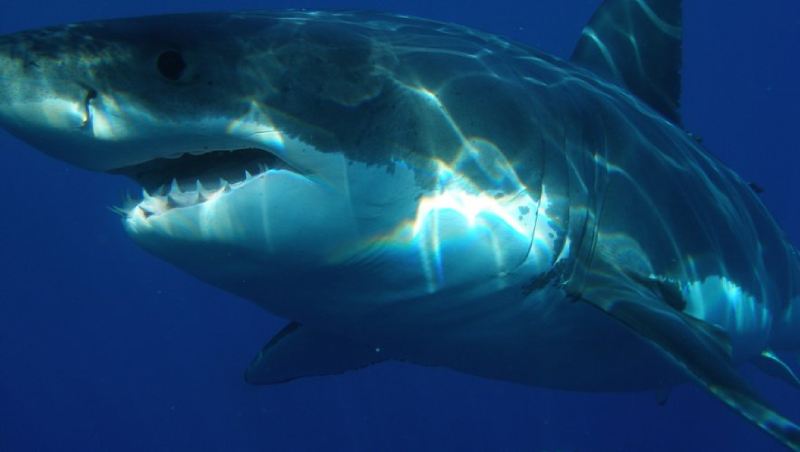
637	43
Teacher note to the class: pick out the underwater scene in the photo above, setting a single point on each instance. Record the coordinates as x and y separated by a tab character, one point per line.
389	226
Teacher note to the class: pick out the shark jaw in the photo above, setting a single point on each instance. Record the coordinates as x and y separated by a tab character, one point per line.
242	199
193	179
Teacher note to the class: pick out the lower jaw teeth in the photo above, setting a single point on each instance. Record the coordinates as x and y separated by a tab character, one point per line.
165	199
185	193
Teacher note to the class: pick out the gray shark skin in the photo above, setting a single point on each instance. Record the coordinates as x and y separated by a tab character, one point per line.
403	189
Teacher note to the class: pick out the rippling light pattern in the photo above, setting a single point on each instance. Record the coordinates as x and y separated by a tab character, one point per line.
721	301
479	221
257	126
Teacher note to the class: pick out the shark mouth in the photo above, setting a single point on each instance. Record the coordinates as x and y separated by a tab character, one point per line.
191	179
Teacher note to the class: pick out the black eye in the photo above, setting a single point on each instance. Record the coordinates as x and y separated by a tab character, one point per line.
171	65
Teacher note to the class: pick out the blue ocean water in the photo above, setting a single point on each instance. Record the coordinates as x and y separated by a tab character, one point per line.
103	347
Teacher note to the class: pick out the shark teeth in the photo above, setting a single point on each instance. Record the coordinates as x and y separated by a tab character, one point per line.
175	196
174	187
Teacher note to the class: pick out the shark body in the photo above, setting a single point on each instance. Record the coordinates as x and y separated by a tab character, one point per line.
405	189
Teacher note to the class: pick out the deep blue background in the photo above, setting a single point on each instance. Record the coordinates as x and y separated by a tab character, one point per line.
103	347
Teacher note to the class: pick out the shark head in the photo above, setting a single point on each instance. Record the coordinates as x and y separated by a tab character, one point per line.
293	153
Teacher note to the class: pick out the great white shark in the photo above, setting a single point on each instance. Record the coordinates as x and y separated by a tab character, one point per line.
404	189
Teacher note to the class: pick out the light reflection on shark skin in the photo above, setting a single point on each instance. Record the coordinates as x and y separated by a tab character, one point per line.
459	213
442	195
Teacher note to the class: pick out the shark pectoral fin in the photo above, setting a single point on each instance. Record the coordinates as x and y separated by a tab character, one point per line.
638	45
297	352
696	347
769	363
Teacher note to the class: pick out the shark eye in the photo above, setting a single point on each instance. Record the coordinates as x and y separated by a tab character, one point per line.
171	65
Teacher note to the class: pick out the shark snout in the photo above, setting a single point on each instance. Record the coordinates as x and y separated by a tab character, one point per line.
48	101
38	102
54	123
